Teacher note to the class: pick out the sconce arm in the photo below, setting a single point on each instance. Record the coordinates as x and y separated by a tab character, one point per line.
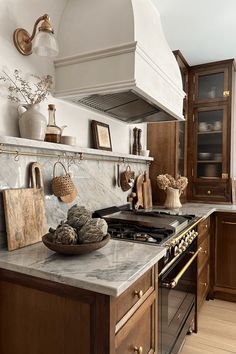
46	20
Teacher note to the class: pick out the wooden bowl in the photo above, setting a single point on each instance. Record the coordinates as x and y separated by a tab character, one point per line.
74	249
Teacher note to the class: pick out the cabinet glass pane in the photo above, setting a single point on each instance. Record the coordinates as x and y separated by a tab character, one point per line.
211	86
209	144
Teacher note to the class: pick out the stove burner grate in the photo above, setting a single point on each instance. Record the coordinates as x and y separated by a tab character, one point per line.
139	233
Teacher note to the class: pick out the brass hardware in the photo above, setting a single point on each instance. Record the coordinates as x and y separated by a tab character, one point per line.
138	293
76	155
228	223
226	93
206	226
205	251
209	192
23	40
174	282
138	350
204	284
225	176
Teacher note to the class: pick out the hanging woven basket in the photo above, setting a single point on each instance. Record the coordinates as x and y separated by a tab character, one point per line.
62	185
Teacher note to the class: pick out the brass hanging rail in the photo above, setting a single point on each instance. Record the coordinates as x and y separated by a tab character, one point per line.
72	155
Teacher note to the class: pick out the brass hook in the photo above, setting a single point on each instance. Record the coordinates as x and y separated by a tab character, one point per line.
17	157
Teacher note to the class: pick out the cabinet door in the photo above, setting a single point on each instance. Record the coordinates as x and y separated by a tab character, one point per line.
211	148
225	249
211	85
210	163
139	334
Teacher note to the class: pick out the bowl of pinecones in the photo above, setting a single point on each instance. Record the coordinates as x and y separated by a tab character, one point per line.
79	234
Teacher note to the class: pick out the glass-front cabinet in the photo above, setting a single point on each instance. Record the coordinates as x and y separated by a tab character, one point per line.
209	131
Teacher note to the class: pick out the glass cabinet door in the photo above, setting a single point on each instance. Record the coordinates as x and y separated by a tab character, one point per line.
211	86
210	144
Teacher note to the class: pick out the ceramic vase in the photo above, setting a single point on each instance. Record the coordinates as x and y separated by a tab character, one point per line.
32	123
172	198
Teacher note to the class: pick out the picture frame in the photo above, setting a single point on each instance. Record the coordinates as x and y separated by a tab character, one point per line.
101	136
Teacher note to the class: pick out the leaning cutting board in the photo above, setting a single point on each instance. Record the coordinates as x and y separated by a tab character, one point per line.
139	191
25	212
147	192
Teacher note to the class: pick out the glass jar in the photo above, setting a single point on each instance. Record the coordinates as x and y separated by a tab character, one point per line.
53	132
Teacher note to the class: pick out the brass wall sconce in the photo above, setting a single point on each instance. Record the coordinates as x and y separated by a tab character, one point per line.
44	43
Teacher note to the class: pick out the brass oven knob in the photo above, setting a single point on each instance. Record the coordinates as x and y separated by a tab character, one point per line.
138	350
176	251
138	293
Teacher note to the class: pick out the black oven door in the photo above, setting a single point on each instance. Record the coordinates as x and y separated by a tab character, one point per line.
177	293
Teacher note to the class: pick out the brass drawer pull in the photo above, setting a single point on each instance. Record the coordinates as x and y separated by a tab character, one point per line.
228	223
138	350
138	293
204	284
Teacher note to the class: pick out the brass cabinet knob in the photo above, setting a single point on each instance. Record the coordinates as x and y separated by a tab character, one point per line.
209	192
206	226
138	350
138	293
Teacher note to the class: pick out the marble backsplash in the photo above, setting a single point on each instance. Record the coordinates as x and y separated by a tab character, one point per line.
95	181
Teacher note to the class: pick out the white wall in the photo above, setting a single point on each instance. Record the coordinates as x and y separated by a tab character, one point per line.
23	13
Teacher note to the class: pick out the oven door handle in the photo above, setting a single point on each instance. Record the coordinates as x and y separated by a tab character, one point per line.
174	282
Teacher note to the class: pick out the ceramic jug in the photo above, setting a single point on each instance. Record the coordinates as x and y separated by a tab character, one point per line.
172	198
32	123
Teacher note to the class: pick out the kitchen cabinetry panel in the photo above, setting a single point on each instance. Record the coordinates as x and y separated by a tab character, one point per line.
167	142
59	319
203	264
225	256
209	131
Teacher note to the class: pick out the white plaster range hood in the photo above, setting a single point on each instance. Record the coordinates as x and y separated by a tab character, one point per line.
114	58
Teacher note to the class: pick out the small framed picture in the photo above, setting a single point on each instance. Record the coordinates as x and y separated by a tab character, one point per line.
101	135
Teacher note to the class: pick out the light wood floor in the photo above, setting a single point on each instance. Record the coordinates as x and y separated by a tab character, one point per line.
217	330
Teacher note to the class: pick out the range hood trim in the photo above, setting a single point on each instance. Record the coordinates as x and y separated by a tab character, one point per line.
63	65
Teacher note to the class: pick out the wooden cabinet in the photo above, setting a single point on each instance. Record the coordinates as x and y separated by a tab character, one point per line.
225	257
38	316
209	131
167	142
203	268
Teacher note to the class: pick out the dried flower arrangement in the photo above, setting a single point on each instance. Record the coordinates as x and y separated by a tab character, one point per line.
27	91
165	181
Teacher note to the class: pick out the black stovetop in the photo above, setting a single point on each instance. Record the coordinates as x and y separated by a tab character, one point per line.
153	226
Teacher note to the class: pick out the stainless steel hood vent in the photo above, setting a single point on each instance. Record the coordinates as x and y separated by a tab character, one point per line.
126	106
120	63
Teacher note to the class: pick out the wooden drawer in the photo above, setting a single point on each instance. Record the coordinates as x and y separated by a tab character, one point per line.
135	294
203	228
203	255
211	192
203	285
138	335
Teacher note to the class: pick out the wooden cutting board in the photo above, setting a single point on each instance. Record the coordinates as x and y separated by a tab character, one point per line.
25	212
139	191
147	192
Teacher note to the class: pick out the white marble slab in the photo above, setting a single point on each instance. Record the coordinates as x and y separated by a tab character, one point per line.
110	270
200	209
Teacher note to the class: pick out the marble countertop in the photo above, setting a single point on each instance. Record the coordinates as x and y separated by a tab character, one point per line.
200	209
110	270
